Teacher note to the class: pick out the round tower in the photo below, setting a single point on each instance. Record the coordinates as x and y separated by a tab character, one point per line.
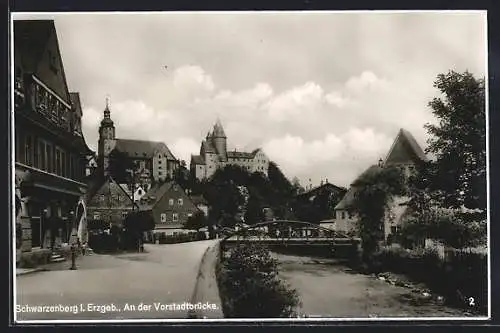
220	141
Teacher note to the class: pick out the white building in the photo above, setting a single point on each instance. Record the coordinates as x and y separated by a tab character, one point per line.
214	155
404	153
153	160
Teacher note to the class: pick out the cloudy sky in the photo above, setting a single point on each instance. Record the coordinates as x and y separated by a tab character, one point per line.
324	94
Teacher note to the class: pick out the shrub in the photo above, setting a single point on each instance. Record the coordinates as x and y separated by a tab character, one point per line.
250	287
201	235
460	276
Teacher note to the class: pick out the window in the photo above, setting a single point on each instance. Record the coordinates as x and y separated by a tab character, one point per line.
58	162
28	148
159	173
163	218
171	202
395	229
175	217
180	202
97	216
50	163
159	156
124	214
42	156
343	215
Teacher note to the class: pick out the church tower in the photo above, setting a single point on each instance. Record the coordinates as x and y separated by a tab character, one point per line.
220	141
107	139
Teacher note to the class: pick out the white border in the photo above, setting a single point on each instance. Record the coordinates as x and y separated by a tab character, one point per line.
39	15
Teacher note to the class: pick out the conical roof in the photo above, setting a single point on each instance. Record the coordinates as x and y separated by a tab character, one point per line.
218	130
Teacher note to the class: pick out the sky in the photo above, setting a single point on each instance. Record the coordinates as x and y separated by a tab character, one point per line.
324	94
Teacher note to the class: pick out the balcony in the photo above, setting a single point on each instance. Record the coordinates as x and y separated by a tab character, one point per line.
18	92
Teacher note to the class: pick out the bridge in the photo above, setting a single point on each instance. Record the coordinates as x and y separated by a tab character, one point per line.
292	236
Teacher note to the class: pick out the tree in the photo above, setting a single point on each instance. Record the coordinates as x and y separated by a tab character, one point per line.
121	167
371	203
253	213
457	177
297	187
135	224
197	221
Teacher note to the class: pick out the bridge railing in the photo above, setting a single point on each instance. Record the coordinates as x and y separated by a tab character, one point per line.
284	230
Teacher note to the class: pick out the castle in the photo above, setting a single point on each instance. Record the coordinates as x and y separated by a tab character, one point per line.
153	160
214	155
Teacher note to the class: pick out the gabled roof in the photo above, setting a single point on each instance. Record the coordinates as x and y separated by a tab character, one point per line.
317	189
405	149
107	186
197	159
75	101
144	149
198	200
349	197
33	39
240	154
155	193
207	147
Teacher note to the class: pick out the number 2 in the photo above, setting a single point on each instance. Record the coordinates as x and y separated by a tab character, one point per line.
471	301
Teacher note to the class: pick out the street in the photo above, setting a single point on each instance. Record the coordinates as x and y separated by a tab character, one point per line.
162	275
328	289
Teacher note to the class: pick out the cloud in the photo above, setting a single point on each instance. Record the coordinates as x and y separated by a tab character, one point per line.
297	156
320	109
303	129
295	101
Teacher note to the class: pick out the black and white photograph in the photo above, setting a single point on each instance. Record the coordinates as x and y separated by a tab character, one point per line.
250	166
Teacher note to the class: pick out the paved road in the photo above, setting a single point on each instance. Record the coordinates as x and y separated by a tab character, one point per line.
164	274
328	289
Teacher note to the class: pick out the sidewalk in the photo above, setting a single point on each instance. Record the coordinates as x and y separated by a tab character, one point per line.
24	271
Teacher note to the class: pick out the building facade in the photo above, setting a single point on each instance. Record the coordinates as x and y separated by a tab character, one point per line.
154	162
50	149
169	206
404	153
214	155
109	206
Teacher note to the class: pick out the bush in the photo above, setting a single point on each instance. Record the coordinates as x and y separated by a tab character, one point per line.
201	235
461	276
250	287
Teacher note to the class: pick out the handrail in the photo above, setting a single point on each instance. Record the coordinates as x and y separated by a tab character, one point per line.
285	222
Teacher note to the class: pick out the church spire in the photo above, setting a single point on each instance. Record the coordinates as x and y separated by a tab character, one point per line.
106	121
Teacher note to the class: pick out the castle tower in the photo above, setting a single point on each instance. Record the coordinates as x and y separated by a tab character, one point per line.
107	139
220	141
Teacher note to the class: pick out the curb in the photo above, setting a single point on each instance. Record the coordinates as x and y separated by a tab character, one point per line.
30	271
206	289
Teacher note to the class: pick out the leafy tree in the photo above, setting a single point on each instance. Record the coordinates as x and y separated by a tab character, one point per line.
458	175
121	166
135	224
197	221
371	203
296	186
253	213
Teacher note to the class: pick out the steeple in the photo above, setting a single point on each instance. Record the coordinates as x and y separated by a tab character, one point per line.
106	121
218	130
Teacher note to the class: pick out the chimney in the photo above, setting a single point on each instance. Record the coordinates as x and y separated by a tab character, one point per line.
380	162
